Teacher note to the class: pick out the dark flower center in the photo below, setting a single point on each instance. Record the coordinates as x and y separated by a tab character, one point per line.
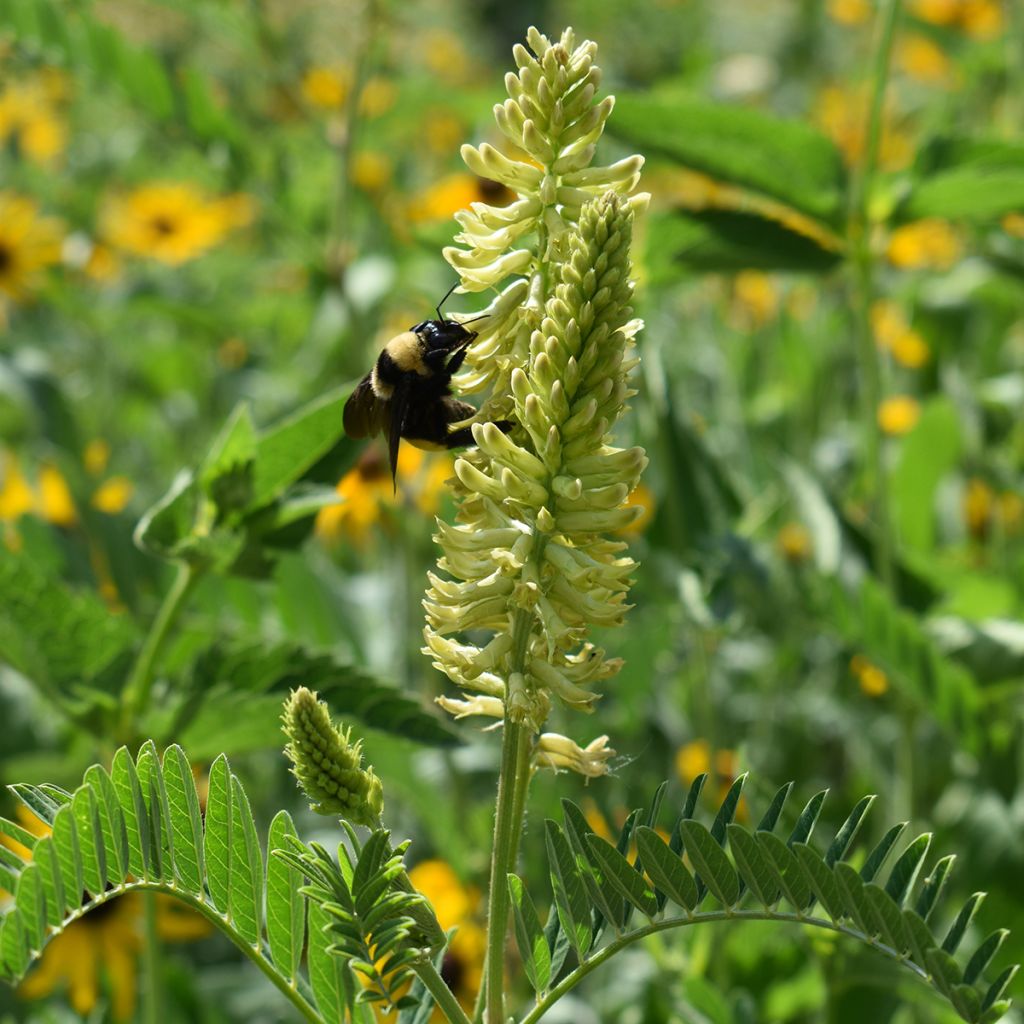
6	258
453	971
164	225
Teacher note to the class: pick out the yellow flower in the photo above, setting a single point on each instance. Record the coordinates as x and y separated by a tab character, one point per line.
102	265
113	495
936	12
371	170
96	456
456	906
446	197
367	492
443	131
55	502
850	12
923	60
233	353
841	114
895	335
931	244
28	244
641	497
1011	512
873	681
445	55
794	542
16	496
978	502
326	88
1013	224
378	96
898	414
173	222
755	299
29	114
981	19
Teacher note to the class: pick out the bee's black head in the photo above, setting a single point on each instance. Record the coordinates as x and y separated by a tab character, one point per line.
443	334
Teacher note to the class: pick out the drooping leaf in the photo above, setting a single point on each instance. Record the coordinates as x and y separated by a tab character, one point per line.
533	946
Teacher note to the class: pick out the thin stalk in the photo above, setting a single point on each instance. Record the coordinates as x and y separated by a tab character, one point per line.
152	999
442	994
505	828
571	980
135	698
864	285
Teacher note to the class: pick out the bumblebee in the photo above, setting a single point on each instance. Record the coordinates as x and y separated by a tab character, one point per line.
408	394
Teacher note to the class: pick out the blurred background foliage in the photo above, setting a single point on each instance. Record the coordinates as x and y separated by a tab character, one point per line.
207	203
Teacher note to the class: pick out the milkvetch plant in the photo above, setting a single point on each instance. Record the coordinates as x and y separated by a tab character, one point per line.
526	574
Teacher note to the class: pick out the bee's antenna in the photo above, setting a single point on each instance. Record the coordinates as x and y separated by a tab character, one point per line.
473	319
445	299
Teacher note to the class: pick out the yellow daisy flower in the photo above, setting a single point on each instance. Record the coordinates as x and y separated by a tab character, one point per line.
755	299
923	60
850	12
641	497
894	334
326	87
873	681
929	244
173	222
446	197
30	115
29	243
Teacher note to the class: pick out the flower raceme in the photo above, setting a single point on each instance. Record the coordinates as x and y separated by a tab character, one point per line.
528	558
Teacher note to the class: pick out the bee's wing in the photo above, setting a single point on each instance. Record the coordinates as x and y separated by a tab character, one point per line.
365	413
399	410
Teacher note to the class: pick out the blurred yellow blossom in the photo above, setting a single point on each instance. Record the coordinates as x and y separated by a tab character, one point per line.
755	299
931	244
96	456
873	681
850	12
30	115
894	334
923	60
55	503
899	414
371	170
936	12
841	113
978	502
1013	224
113	495
641	497
17	497
456	906
173	222
445	55
102	265
979	18
446	197
722	765
326	87
378	96
29	243
442	130
367	491
233	353
794	542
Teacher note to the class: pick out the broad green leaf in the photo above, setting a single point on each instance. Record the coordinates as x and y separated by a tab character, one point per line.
567	885
666	869
710	861
905	870
771	816
153	791
983	955
788	160
20	835
186	825
750	862
69	856
919	935
944	971
533	947
933	887
808	817
30	905
133	808
245	876
618	873
999	986
926	456
608	907
851	889
52	881
233	450
979	193
219	840
821	880
13	946
165	526
727	811
286	909
886	917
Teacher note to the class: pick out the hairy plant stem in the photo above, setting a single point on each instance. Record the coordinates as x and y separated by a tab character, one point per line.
864	286
505	828
135	697
151	996
442	994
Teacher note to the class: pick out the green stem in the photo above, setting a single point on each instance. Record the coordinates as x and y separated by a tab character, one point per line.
135	698
570	981
505	828
442	994
152	999
864	277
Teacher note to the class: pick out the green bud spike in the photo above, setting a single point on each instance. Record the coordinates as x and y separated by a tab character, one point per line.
328	764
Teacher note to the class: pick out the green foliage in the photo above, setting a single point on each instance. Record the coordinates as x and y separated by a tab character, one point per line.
766	878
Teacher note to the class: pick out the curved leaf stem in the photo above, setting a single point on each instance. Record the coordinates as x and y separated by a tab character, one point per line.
151	962
571	980
201	906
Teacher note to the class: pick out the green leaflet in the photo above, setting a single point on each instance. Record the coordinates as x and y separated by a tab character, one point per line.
533	946
286	909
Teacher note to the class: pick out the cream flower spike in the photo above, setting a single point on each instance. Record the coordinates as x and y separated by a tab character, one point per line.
552	121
